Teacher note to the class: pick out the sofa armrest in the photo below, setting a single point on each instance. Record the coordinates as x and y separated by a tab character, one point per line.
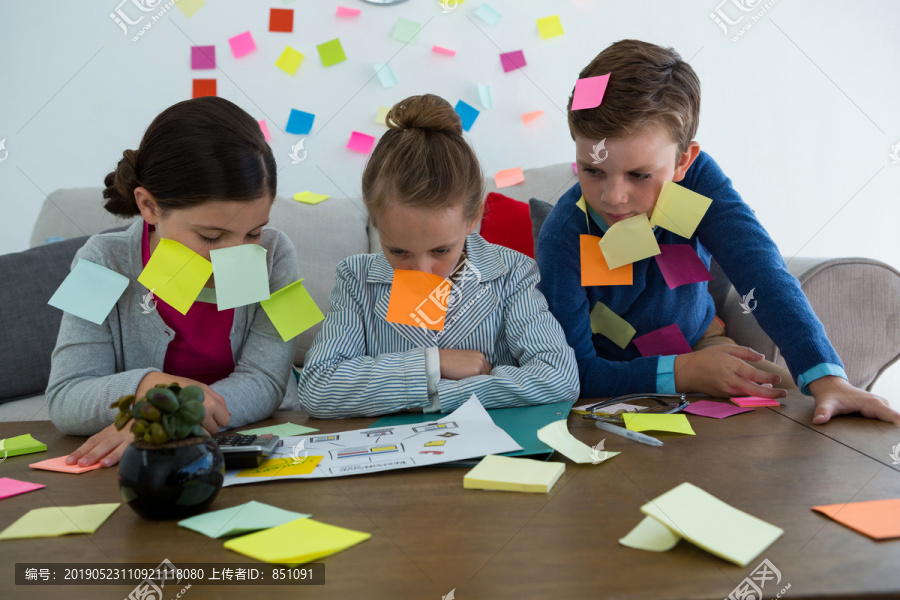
858	302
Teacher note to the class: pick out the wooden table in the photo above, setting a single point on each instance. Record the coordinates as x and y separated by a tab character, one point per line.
429	535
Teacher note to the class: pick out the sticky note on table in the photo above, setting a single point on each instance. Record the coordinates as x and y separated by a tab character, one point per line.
550	27
331	52
203	87
418	299
292	310
264	127
679	209
296	542
13	487
308	197
299	122
878	519
283	430
605	322
665	341
241	519
360	142
594	270
467	114
289	61
508	177
21	444
715	410
487	14
203	57
589	92
531	116
557	436
385	74
442	50
59	520
59	464
241	275
628	241
650	535
641	421
484	96
680	265
89	291
343	11
406	31
381	116
508	474
510	61
176	274
281	20
190	7
754	401
242	44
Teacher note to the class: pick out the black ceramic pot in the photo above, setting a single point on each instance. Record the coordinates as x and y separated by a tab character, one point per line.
172	481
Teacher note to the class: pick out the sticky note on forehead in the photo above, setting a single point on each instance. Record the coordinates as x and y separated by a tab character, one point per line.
679	210
242	276
418	299
175	274
589	92
594	270
292	310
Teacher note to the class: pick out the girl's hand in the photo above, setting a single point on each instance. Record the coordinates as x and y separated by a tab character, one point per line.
217	414
106	446
835	396
461	364
720	371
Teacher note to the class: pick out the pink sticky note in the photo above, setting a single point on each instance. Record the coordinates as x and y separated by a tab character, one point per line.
440	50
512	60
203	57
575	168
508	177
265	129
242	44
680	265
665	341
589	92
360	142
343	11
716	410
754	401
14	487
529	117
59	464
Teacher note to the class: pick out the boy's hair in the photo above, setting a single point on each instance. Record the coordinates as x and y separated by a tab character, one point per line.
648	86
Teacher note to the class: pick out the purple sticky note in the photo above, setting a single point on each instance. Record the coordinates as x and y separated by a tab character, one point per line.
663	342
716	410
242	44
361	142
512	60
680	264
14	487
589	92
203	57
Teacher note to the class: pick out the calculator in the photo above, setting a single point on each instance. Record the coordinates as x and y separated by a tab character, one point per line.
246	451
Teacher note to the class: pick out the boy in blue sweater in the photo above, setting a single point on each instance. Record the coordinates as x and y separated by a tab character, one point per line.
647	121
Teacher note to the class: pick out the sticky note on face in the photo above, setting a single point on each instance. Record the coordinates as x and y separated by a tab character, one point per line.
639	421
89	291
203	57
665	341
308	197
385	74
589	92
406	31
281	20
510	61
242	44
289	61
680	265
203	87
594	270
467	114
264	127
59	464
605	322
529	117
299	122
679	210
509	177
418	300
550	27
59	520
296	542
360	142
331	52
292	310
241	275
628	241
484	95
878	519
487	14
14	487
176	274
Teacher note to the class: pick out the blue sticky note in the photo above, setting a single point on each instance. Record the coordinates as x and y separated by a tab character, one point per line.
488	14
241	275
299	122
484	93
90	291
467	114
385	74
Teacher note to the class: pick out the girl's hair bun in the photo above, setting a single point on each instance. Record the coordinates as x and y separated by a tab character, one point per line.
427	112
120	185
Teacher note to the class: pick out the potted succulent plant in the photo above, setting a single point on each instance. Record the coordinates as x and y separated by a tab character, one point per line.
172	470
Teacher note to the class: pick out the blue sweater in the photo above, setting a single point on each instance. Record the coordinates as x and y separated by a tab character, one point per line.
729	232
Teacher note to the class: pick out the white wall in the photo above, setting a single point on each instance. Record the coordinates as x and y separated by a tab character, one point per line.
801	111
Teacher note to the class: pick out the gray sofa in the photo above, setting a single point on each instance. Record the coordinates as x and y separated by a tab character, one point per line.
854	297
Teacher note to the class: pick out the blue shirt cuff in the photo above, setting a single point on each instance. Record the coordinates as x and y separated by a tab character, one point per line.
817	372
665	375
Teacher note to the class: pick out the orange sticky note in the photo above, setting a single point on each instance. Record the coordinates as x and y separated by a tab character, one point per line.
508	177
204	87
531	116
418	299
59	464
594	270
878	519
754	401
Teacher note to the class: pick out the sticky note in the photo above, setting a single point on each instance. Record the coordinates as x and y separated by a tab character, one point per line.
467	114
308	197
89	291
628	241
754	401
575	170
242	44
289	61
665	341
14	487
241	519
190	7
510	61
283	430
264	127
594	270
299	122
505	473
203	87
360	142
650	535
21	444
176	274
292	310
711	524
487	14
550	27
385	74
241	275
59	520
281	20
715	410
640	421
417	299
282	467
484	96
343	11
442	50
508	177
878	519
381	117
296	542
331	52
582	204
557	436
589	92
406	31
59	464
680	265
531	116
679	210
605	322
203	57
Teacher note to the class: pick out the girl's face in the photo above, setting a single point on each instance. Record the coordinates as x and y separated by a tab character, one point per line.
422	239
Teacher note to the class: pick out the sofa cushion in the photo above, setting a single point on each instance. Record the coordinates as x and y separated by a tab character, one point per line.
506	223
72	213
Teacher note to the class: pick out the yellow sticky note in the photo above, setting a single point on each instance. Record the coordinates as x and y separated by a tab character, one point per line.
436	443
381	117
292	310
508	474
190	7
21	444
296	542
308	197
280	467
629	241
557	436
605	322
582	204
658	422
289	61
593	265
176	274
550	27
59	520
651	535
679	210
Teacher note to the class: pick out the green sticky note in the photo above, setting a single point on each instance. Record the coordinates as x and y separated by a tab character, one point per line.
283	430
679	209
21	444
550	27
59	520
176	274
241	275
406	31
605	322
331	52
628	241
638	421
289	61
296	542
292	310
308	197
90	291
236	520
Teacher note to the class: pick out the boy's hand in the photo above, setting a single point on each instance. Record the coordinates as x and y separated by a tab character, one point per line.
460	364
835	396
720	371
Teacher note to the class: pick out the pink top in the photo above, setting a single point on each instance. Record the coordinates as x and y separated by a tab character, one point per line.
201	349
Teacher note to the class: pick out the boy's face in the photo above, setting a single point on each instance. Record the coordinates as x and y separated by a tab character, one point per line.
631	173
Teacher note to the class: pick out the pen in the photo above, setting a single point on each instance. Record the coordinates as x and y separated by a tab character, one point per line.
631	435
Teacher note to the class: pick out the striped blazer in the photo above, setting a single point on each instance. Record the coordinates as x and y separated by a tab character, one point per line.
362	365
